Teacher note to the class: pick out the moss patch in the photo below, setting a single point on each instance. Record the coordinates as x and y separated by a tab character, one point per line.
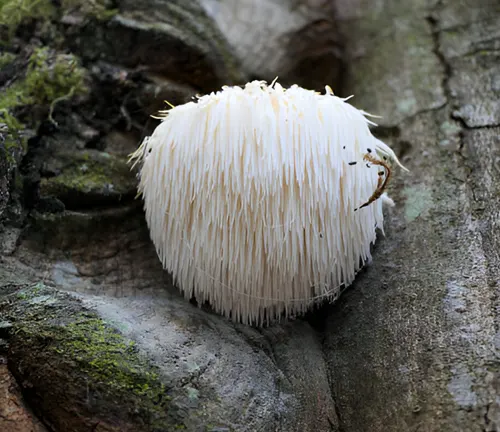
89	178
6	59
80	366
15	144
50	78
107	357
15	12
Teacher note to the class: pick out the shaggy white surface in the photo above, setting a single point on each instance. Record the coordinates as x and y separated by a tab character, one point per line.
250	196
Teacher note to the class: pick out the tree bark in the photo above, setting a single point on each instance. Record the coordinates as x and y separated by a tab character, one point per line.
414	344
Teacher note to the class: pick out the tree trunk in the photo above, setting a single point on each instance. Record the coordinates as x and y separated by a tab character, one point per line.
414	344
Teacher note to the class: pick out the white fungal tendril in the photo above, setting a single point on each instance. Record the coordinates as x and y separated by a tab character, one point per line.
250	197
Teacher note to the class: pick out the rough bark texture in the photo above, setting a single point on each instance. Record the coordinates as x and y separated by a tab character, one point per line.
97	336
414	346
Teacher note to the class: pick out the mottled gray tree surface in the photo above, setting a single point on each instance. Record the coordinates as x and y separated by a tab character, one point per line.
91	328
414	345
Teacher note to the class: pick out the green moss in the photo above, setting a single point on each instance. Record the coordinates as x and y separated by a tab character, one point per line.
73	180
15	145
6	59
50	79
108	364
107	357
15	12
13	126
83	175
11	98
31	291
71	356
91	176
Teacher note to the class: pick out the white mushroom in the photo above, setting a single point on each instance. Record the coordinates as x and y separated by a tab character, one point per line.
250	197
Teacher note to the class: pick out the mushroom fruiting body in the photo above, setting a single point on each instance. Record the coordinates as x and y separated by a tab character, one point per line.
250	196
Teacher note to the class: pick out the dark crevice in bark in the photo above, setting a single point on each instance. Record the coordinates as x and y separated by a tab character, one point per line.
338	412
465	126
476	52
383	132
433	21
317	319
429	110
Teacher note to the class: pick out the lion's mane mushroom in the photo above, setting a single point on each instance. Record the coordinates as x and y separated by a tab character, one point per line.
263	200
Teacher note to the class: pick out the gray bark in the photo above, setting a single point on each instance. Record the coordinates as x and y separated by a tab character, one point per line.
294	40
414	345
